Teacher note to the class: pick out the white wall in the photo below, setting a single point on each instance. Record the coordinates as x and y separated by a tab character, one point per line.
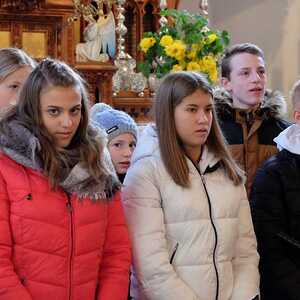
274	25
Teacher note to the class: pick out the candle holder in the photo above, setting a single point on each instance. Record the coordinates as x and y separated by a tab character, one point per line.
125	78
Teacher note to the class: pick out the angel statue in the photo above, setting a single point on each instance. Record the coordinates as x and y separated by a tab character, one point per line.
100	39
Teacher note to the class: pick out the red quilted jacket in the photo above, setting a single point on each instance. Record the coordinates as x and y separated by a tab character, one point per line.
55	247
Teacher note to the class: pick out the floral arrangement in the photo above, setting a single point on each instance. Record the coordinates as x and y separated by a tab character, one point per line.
185	43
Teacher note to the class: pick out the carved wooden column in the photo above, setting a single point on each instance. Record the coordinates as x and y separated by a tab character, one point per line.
99	77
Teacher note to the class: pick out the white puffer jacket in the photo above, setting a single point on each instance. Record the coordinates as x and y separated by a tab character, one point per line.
186	246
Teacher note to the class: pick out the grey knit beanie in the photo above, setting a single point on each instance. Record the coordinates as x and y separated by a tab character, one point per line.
113	121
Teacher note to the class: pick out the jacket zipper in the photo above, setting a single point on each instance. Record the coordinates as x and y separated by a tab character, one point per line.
213	225
70	209
174	252
289	239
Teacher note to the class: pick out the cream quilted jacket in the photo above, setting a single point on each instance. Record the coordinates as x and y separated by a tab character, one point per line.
188	245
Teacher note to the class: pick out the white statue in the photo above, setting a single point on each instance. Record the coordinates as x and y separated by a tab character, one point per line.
100	39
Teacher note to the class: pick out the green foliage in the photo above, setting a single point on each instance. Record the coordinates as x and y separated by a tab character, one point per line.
184	43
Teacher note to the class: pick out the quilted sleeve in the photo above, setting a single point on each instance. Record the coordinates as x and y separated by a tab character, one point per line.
245	262
114	272
10	285
152	268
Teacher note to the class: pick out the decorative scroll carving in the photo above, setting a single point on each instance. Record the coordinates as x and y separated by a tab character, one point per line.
20	4
138	108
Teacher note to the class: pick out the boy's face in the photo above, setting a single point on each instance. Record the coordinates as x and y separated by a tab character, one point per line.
247	80
121	148
297	114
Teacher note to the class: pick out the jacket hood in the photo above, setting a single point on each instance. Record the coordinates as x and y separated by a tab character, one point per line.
289	139
148	146
273	104
21	145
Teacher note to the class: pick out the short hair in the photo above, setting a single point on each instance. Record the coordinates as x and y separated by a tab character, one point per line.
12	59
172	90
238	49
295	94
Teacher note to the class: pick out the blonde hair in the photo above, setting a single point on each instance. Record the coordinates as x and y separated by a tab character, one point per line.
12	59
295	95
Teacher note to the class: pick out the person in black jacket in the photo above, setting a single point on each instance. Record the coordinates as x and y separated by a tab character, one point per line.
275	205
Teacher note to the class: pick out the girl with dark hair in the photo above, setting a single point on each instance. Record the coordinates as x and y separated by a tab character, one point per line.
62	228
15	66
186	205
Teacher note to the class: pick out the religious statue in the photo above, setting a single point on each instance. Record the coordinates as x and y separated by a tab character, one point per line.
99	36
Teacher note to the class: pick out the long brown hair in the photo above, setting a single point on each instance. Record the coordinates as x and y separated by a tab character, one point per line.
173	88
28	114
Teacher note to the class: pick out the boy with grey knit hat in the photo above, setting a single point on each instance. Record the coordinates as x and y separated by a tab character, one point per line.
122	133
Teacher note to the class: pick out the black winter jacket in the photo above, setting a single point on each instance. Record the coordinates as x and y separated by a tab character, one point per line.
275	205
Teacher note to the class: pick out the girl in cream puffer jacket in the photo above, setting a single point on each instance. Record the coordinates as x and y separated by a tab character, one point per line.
193	241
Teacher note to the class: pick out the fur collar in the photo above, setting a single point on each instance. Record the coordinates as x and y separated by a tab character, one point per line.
273	105
22	146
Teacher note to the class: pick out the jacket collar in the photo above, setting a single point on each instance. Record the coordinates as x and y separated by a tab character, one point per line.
208	163
22	146
273	105
148	146
289	139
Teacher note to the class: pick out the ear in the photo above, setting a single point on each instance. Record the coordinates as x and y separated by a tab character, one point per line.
226	83
297	116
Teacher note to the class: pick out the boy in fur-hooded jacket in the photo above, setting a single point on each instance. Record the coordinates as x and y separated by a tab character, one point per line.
249	115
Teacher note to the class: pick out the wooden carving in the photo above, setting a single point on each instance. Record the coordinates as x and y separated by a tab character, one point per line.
20	4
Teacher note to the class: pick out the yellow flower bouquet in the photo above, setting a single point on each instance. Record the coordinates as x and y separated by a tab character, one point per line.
185	43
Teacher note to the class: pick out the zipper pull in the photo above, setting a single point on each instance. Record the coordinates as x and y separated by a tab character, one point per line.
69	203
69	206
203	178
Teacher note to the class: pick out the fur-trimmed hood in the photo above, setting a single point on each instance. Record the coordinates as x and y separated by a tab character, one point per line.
273	105
22	146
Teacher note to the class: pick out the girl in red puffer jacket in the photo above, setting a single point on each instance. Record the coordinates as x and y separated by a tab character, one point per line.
62	229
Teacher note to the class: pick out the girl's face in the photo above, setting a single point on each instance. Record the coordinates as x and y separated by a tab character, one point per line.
121	149
61	113
11	85
193	119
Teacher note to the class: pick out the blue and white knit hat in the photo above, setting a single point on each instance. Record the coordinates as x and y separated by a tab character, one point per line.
113	121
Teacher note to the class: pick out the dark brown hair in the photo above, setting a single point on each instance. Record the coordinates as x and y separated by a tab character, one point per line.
173	88
28	113
234	50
